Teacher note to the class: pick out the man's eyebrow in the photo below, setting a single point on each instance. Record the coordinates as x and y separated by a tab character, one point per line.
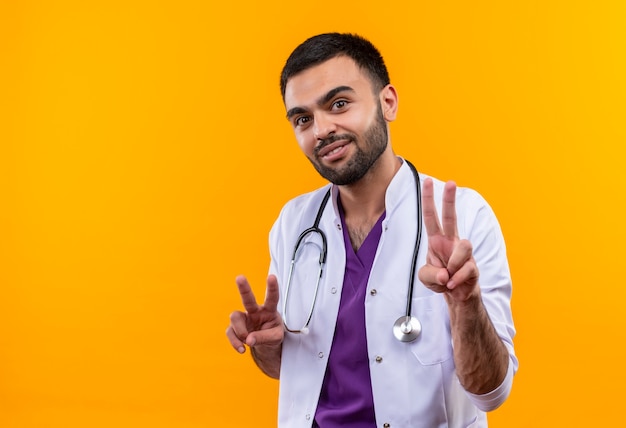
321	101
294	111
331	94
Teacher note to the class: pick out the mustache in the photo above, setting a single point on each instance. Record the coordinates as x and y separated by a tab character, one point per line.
323	142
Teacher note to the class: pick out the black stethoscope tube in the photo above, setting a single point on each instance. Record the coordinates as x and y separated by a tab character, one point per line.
409	302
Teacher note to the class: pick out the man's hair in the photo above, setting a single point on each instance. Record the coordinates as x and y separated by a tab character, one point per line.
323	47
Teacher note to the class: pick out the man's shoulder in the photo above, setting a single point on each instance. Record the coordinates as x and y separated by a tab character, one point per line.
302	203
464	195
299	213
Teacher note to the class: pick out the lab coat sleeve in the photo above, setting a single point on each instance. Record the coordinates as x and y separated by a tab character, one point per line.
492	400
276	247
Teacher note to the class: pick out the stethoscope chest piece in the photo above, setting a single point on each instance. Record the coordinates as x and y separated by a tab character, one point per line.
407	328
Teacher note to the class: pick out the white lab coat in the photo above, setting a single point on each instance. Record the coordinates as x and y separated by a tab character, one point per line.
414	384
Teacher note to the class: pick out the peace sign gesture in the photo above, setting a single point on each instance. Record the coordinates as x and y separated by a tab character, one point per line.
450	267
259	326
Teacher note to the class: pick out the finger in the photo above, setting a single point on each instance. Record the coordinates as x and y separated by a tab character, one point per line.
239	325
247	296
467	275
448	210
235	342
271	336
465	269
271	293
429	212
433	276
461	254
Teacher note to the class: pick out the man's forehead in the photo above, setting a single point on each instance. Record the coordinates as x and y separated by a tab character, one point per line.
321	78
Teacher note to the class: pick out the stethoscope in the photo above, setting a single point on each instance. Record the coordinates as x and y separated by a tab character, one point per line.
406	328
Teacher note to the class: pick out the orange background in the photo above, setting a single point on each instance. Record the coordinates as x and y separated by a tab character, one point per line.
144	155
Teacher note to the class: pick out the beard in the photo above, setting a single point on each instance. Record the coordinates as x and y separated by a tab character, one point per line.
375	139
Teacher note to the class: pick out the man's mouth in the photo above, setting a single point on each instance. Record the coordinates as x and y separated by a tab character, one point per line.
332	148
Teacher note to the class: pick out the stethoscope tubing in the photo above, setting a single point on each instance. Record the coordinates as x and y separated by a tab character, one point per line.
322	261
409	302
407	327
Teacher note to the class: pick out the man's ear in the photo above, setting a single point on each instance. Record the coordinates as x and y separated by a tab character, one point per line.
389	102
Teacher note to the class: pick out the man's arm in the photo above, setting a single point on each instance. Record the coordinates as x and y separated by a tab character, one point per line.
267	358
480	356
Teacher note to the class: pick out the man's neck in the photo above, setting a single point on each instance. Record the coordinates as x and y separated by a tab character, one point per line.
364	202
366	198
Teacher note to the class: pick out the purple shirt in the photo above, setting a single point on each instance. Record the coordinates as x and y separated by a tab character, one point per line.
346	397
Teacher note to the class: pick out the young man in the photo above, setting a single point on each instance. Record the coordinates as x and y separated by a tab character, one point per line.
337	329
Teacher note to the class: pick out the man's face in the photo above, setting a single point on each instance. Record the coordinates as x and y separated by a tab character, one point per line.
337	119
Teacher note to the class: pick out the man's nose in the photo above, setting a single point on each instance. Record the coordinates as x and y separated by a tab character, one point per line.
323	126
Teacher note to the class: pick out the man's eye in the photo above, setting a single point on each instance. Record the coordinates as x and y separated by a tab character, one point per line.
301	120
339	104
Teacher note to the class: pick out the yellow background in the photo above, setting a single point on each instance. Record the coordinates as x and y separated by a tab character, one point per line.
144	155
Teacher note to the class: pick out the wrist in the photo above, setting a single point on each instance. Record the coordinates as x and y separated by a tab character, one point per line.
461	301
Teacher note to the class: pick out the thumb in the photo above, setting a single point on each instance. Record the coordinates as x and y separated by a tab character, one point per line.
433	276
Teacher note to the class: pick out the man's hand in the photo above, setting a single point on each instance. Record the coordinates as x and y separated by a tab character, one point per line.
450	267
260	326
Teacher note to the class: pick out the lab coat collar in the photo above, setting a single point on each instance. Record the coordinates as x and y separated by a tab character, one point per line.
400	186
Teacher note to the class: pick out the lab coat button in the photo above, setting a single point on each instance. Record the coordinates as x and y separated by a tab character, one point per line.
386	425
333	290
379	359
373	292
320	355
308	417
338	226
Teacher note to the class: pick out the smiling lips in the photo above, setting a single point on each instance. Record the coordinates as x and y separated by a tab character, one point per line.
334	150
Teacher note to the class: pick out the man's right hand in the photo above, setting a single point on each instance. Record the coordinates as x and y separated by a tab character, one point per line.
259	326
